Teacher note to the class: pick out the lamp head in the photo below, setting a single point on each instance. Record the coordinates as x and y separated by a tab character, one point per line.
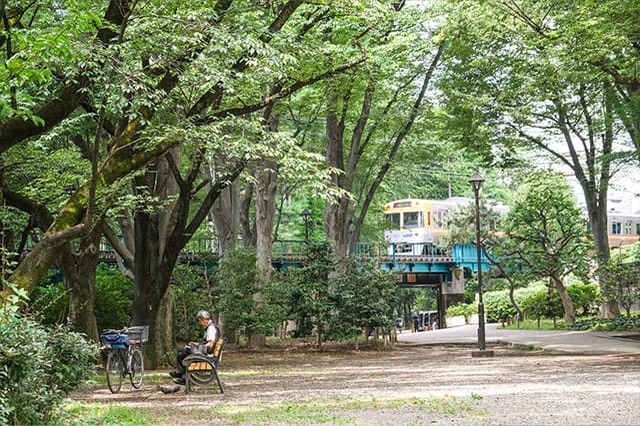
476	180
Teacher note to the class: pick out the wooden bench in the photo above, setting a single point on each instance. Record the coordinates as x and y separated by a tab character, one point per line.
202	370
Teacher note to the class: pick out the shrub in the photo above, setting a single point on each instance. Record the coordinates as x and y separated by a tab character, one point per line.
498	307
465	309
540	304
239	283
362	298
114	295
586	297
626	323
38	368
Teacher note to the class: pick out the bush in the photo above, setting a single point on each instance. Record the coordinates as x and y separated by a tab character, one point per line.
361	299
39	367
540	304
586	298
498	307
626	323
114	295
239	283
461	309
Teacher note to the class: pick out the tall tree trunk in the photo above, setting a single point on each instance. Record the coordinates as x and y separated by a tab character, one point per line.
226	218
344	218
567	303
267	185
152	291
247	223
79	271
266	189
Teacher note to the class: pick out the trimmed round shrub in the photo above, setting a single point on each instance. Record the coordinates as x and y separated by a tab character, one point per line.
498	307
586	298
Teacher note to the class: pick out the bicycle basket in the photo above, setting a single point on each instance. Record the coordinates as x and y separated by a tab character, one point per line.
115	340
139	333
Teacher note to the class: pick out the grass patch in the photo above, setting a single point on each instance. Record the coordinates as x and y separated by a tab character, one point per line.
545	324
82	414
334	411
345	411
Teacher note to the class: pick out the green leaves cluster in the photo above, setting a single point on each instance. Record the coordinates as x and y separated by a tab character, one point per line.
39	367
247	307
363	298
545	232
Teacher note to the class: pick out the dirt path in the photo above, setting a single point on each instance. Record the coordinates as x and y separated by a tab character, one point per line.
514	387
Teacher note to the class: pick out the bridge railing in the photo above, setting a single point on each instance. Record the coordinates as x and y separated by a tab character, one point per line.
289	250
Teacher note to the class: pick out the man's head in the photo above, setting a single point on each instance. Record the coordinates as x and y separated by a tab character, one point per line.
203	317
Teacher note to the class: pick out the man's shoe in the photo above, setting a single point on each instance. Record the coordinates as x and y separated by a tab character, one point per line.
179	381
175	374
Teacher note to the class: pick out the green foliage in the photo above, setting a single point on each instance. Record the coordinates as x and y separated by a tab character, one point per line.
498	307
363	297
536	303
465	309
247	307
585	296
39	367
627	323
540	304
620	282
193	289
50	303
308	291
114	295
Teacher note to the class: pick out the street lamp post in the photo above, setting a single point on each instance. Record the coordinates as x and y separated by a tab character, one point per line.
476	181
306	217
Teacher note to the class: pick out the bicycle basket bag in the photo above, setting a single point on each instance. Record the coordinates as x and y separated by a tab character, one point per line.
115	340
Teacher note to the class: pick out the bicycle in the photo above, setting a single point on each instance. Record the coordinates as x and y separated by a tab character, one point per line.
124	355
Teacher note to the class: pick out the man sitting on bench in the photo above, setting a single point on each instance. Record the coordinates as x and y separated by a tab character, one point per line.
206	346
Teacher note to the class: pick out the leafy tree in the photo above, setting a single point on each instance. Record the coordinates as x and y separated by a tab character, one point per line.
528	75
619	281
542	304
151	97
364	298
238	283
545	235
193	288
309	291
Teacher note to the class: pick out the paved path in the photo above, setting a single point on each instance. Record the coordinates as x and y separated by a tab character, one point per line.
586	342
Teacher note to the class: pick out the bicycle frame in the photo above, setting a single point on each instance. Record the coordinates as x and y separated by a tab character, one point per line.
124	360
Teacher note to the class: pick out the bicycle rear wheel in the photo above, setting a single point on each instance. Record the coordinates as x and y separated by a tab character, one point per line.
115	370
137	368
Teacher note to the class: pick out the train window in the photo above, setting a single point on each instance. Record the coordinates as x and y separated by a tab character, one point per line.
429	220
627	227
413	220
394	218
616	228
638	228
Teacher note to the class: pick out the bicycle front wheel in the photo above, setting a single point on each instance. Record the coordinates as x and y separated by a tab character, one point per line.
115	369
137	368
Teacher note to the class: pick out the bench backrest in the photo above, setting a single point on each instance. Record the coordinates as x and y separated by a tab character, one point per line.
214	359
217	350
